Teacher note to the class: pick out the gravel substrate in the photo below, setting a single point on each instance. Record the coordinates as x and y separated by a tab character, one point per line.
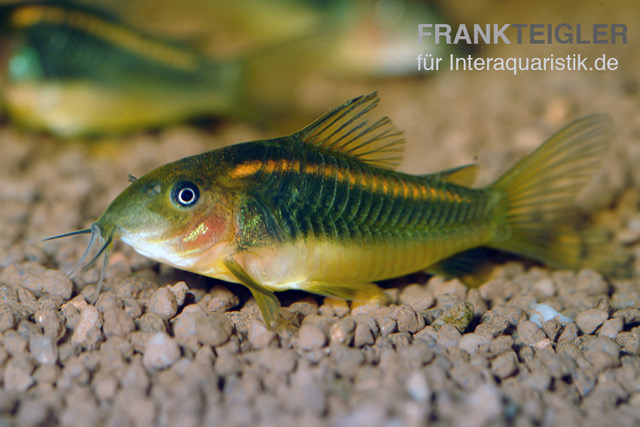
530	346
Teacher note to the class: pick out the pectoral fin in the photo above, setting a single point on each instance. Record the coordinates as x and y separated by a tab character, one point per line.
267	301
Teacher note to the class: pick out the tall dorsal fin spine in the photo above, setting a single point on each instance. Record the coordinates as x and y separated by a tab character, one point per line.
346	130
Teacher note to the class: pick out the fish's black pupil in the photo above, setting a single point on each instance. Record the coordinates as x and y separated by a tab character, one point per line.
185	194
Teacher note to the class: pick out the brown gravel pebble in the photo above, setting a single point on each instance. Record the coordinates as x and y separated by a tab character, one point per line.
185	329
259	336
529	333
311	338
588	321
88	331
474	342
342	332
417	297
366	329
17	374
160	352
163	303
214	329
611	328
43	349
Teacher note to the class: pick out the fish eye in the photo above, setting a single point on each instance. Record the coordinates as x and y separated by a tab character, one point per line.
185	194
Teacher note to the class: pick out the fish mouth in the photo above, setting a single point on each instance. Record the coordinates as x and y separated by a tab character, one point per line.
105	243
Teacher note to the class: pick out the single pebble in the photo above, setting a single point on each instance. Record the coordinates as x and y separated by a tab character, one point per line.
88	330
448	335
611	328
400	340
46	374
107	301
57	283
496	323
418	387
222	299
479	305
163	303
105	387
304	308
14	343
185	329
276	360
342	331
630	342
439	287
51	322
365	332
529	333
43	349
569	333
459	316
160	352
387	324
151	322
17	375
417	297
117	323
71	314
552	328
7	321
180	290
505	365
259	336
205	356
473	342
33	413
214	330
27	299
339	306
135	376
589	320
545	288
310	338
50	302
408	320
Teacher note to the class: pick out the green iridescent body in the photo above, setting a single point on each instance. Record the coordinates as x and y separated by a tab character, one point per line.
387	223
322	210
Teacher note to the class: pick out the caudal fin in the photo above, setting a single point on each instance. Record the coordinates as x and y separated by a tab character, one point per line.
538	215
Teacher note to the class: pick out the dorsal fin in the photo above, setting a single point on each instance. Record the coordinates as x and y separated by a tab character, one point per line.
347	130
462	175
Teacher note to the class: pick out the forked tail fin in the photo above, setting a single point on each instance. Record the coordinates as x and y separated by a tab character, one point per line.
537	211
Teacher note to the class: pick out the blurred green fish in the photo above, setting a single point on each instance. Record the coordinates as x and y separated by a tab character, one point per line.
75	70
369	38
323	211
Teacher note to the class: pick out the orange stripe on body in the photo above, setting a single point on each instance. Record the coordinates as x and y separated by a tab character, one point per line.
118	35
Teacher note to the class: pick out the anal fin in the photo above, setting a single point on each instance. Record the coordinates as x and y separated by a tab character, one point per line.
472	267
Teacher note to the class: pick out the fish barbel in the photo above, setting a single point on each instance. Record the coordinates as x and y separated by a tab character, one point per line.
323	211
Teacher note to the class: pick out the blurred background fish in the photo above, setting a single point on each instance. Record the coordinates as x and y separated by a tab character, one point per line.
74	70
80	68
